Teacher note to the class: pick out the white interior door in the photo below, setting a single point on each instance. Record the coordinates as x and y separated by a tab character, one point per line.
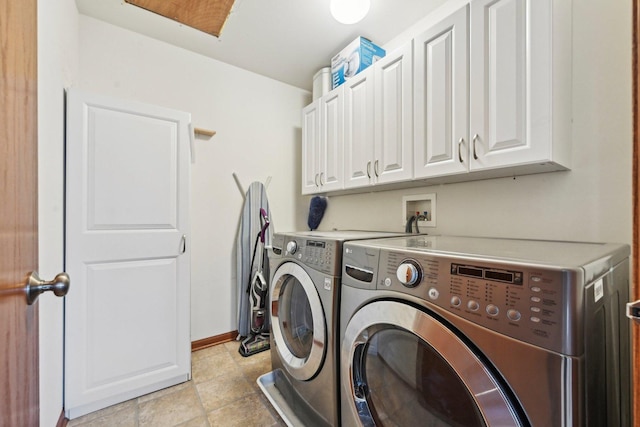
127	224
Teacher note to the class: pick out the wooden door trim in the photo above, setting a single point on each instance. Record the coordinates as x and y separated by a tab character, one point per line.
19	395
635	289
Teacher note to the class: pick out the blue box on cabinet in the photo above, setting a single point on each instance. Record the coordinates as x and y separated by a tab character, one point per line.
357	56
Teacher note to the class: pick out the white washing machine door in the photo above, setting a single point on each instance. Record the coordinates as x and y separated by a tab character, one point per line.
298	321
404	367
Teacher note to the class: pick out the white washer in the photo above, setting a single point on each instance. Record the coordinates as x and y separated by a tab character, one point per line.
304	294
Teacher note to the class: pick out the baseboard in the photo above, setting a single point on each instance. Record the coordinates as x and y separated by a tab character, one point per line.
62	421
215	340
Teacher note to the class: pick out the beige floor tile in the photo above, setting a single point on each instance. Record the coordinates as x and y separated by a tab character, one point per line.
249	411
121	415
223	390
232	346
208	368
164	392
196	422
252	372
207	352
110	413
171	409
262	357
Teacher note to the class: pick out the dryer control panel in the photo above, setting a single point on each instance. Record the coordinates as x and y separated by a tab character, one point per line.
523	302
535	304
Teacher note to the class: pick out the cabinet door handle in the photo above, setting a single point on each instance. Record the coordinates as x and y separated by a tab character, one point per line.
369	169
375	168
316	180
321	183
475	139
183	244
460	142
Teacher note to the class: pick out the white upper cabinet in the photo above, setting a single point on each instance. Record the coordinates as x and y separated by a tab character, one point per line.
520	83
359	152
378	122
311	148
323	144
441	56
394	117
331	141
483	91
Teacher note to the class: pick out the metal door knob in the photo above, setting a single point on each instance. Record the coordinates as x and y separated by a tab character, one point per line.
35	286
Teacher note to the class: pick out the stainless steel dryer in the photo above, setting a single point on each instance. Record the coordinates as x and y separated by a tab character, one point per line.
460	331
304	294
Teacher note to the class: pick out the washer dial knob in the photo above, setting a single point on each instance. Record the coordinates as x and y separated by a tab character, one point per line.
292	247
409	273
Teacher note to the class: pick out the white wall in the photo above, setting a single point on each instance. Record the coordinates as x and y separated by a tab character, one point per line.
257	121
591	202
57	69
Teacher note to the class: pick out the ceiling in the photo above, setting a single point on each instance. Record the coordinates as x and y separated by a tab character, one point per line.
287	40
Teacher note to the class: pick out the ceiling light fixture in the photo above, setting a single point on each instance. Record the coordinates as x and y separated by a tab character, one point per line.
349	11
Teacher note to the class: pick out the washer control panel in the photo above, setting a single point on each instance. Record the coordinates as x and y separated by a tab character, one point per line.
524	302
319	254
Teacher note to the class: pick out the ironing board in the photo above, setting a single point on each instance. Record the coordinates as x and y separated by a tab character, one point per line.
250	226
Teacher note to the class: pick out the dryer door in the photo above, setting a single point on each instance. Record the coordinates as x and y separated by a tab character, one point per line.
405	367
298	321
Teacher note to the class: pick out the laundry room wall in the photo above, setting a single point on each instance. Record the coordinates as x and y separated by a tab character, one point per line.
57	69
257	121
592	202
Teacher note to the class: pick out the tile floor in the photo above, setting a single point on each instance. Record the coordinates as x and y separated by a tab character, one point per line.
223	392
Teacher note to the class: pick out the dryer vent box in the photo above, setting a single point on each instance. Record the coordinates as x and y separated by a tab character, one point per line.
423	206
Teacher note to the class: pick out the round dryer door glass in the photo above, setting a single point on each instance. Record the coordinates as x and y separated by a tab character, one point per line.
403	366
426	390
297	321
295	318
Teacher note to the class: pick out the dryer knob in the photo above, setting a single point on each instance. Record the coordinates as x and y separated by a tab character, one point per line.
292	247
409	273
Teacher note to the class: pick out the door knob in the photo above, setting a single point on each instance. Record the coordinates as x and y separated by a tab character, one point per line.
35	286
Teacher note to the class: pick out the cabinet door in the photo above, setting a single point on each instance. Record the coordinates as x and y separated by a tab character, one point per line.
441	56
331	141
358	129
510	121
311	148
394	116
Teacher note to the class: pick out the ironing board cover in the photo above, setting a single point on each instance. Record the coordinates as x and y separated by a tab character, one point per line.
255	199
